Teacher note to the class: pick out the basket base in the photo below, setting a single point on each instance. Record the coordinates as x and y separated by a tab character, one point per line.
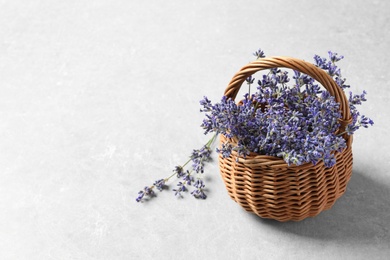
271	189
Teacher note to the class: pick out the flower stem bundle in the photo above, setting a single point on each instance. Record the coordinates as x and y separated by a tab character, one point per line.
299	123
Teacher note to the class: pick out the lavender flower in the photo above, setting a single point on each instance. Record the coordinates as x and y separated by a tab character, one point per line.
147	191
357	122
321	62
179	171
302	79
200	156
140	196
188	179
365	121
334	57
249	80
259	54
206	103
357	99
159	184
333	70
181	188
199	191
226	150
341	82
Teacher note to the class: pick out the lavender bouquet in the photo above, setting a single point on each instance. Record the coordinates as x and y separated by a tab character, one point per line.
294	119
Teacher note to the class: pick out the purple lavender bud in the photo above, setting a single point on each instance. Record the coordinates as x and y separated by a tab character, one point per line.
259	54
140	196
159	184
249	80
147	191
181	188
199	194
179	171
321	62
334	57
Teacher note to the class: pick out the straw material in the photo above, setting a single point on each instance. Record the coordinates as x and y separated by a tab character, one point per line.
266	185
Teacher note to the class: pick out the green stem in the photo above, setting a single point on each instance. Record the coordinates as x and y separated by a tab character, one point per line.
342	133
211	141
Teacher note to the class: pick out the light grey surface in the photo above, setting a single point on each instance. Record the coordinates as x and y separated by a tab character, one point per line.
100	98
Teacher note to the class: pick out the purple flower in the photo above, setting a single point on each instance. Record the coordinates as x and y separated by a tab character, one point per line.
259	54
200	156
302	79
140	196
357	99
365	121
282	77
181	188
321	62
199	194
188	179
206	104
179	171
333	70
334	57
329	160
159	184
226	150
147	191
249	80
199	191
341	82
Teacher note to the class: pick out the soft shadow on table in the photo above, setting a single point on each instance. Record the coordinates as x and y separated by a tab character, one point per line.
362	214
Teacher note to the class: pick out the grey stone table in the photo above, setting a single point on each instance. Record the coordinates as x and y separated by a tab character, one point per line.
100	98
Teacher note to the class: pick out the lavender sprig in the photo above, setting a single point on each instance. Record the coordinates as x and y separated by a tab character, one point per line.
198	159
259	54
330	66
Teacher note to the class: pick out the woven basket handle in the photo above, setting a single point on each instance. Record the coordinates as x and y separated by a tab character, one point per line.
295	64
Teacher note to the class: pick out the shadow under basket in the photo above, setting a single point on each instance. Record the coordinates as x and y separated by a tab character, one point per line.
266	185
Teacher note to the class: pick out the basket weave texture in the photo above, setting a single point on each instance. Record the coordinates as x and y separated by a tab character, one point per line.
266	185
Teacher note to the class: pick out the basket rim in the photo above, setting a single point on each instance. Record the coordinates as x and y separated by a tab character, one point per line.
274	161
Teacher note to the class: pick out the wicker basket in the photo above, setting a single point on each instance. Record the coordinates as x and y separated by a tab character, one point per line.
266	185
